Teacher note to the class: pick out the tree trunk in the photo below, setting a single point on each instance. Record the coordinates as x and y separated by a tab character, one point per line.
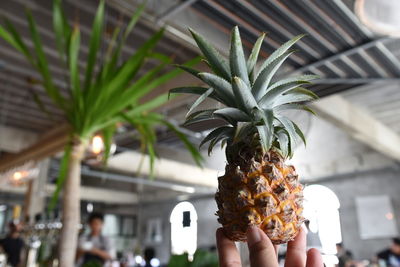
71	210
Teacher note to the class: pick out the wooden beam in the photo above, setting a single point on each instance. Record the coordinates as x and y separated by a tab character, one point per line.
14	140
359	124
165	170
49	144
88	193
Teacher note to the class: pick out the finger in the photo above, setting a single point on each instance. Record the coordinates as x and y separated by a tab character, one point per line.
227	251
276	247
262	252
296	251
314	258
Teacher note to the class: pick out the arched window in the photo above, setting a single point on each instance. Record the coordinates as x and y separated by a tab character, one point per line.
184	229
321	208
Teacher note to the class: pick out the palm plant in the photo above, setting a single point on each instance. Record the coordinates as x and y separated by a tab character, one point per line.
110	92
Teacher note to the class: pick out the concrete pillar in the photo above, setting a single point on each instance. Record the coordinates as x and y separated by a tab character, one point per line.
36	192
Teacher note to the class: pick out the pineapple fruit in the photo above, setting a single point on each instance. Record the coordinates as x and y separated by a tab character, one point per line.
258	188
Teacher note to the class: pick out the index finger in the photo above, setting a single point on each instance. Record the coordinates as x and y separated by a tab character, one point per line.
297	251
227	251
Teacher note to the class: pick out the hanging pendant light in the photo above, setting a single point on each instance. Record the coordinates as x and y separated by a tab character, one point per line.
380	16
95	150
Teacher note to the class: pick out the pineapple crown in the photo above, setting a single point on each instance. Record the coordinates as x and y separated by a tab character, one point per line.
253	98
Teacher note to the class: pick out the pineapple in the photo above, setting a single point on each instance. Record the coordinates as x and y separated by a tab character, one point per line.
258	188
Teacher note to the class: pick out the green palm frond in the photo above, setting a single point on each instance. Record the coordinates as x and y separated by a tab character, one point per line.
111	90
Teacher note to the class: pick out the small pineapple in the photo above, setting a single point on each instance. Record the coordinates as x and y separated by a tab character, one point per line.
258	188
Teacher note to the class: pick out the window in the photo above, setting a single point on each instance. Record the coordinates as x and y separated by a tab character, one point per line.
183	229
321	208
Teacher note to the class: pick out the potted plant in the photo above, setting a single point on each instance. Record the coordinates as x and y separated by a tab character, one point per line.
109	92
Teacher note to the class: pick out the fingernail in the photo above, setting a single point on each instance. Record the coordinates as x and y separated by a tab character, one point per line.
253	235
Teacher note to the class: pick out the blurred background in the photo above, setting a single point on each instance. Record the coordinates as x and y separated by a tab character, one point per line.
350	166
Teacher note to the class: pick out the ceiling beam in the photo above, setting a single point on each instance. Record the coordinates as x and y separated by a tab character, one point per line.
88	193
166	169
178	187
354	80
340	55
175	9
20	139
359	124
47	145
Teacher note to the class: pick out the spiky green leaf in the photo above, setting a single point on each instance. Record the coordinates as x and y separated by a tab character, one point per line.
73	55
232	115
134	19
243	130
61	29
252	60
42	64
266	74
280	108
192	71
216	61
200	99
293	80
280	51
283	140
236	57
271	95
215	133
14	38
108	134
243	96
61	177
94	44
189	146
291	130
299	133
294	96
223	89
266	130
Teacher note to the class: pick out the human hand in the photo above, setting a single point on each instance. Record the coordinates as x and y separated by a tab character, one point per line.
264	253
94	251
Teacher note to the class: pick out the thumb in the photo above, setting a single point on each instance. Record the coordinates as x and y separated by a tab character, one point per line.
262	252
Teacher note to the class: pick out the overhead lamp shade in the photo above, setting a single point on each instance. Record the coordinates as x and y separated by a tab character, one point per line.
381	16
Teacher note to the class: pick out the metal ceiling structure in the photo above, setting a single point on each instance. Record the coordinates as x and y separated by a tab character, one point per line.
337	46
18	80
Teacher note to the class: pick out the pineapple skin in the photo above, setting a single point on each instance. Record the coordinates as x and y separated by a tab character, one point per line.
259	189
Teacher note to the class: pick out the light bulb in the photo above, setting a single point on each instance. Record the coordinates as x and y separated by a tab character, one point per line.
17	175
97	145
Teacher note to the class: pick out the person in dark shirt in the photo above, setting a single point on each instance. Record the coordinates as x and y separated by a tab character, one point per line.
13	244
94	247
391	255
345	256
149	254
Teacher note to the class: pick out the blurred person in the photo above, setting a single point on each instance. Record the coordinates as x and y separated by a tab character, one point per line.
149	254
391	256
345	256
94	247
13	245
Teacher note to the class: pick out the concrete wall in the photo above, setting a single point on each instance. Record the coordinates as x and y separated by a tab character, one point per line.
347	188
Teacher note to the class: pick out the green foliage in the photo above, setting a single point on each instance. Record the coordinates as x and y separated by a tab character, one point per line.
111	90
61	176
200	259
254	99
